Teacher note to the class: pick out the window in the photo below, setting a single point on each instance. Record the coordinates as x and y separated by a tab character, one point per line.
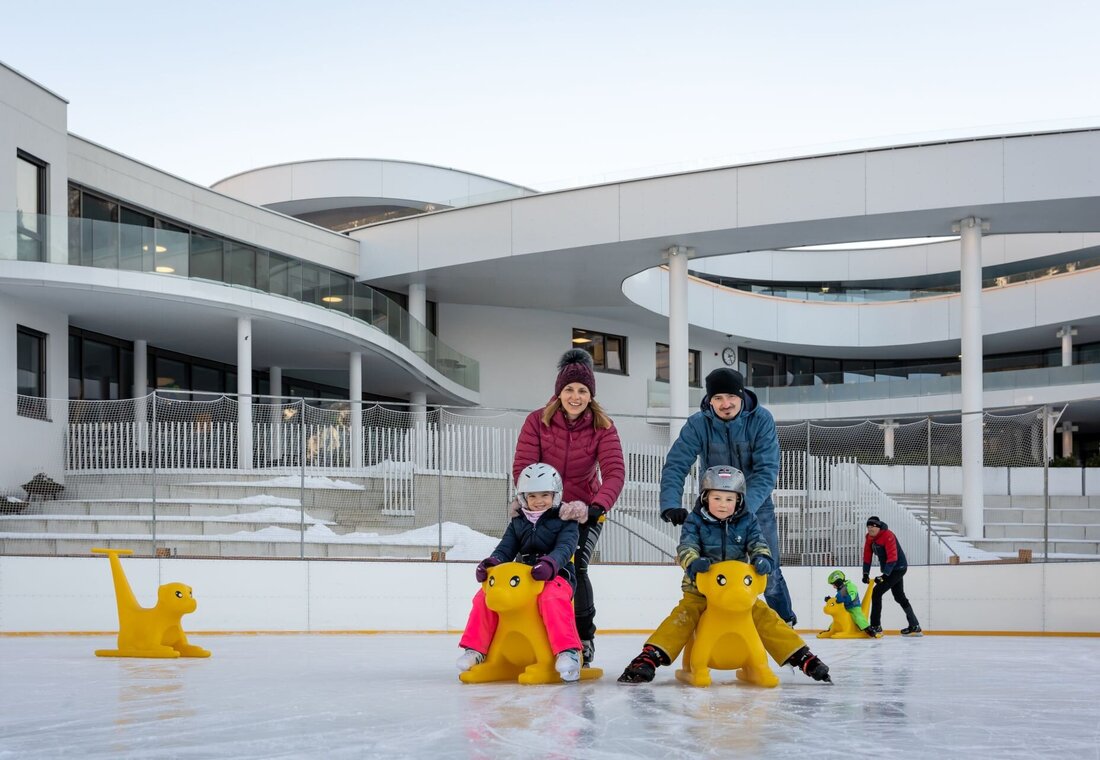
694	364
30	207
31	374
608	351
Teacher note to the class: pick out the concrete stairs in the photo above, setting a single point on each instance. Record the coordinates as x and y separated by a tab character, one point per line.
1072	525
239	516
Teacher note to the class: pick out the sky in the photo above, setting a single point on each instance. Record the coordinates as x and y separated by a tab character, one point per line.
550	94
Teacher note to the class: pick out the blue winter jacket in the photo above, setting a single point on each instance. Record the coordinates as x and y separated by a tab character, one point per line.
549	537
704	535
747	442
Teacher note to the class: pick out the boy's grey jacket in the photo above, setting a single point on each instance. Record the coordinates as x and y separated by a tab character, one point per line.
747	442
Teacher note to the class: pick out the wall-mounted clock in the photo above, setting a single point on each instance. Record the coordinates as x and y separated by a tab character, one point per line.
729	356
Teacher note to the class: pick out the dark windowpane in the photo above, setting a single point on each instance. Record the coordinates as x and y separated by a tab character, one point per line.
171	253
206	379
240	265
126	382
311	281
30	362
662	362
137	240
75	390
205	260
100	370
170	373
278	274
100	243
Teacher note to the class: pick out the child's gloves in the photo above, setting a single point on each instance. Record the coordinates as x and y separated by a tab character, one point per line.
574	510
676	515
595	513
763	565
700	565
482	571
545	569
827	599
866	577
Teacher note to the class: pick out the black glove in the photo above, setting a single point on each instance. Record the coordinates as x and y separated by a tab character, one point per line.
482	571
697	566
595	513
827	599
676	515
763	565
866	577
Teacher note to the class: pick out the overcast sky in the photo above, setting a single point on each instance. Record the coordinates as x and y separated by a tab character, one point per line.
549	94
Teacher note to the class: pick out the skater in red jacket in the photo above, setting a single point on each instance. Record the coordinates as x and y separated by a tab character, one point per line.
882	543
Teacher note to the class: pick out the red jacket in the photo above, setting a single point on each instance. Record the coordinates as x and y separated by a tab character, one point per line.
575	450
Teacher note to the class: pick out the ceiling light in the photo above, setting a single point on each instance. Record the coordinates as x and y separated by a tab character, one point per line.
582	340
332	299
159	248
165	270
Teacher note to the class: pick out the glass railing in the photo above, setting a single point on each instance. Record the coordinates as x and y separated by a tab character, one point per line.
173	252
835	293
658	393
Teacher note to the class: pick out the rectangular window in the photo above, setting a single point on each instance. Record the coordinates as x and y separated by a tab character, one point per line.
694	364
608	351
31	374
30	207
206	258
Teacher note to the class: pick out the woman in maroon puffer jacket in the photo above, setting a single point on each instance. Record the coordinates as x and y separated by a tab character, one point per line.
577	438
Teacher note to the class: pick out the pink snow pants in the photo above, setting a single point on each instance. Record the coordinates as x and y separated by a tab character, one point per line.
555	607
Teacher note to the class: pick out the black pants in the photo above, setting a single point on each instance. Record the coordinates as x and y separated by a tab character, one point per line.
584	605
895	584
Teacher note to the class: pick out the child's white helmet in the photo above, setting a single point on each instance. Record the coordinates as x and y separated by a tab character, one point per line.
536	478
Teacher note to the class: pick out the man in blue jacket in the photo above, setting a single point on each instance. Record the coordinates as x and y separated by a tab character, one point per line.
731	429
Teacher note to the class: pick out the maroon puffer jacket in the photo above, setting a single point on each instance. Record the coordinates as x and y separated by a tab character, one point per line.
574	450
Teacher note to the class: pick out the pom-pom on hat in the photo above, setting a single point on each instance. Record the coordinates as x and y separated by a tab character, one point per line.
575	366
874	522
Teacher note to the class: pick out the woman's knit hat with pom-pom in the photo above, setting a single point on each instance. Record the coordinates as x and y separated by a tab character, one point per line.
575	366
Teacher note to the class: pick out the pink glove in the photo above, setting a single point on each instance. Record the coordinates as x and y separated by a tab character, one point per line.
574	510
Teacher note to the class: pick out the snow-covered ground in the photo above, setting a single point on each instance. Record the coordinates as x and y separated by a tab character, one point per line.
398	696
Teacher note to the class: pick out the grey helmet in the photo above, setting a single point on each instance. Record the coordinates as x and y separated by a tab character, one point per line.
536	478
723	478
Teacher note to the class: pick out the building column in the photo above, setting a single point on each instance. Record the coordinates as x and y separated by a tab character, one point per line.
1067	429
1066	334
677	338
973	460
139	391
244	393
355	401
888	428
418	310
275	389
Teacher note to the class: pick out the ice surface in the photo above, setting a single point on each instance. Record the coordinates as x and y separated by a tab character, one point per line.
398	696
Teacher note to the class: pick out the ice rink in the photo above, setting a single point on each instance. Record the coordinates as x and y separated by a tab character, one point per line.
398	696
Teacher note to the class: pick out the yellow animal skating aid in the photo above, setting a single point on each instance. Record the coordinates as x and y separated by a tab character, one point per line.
726	638
150	632
842	626
520	649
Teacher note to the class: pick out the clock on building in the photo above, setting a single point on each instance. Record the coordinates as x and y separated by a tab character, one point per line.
729	356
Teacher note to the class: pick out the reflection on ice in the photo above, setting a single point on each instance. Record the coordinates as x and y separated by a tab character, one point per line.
399	697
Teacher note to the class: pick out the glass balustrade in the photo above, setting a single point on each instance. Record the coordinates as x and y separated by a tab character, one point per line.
157	247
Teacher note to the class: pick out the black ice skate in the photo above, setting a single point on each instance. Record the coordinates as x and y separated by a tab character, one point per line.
810	664
913	630
643	667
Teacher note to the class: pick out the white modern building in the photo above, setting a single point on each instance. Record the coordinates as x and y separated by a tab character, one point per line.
391	281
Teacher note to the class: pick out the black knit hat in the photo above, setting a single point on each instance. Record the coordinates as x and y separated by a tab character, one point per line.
725	380
874	522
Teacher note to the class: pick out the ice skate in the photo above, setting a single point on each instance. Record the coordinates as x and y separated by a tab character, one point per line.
568	665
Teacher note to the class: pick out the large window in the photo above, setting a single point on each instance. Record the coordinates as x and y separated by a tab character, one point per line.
31	373
30	207
694	365
608	351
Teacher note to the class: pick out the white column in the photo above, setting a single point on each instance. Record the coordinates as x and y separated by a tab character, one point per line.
418	407
275	388
418	310
677	338
970	269
140	386
141	368
888	428
355	401
244	393
1066	334
1067	429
